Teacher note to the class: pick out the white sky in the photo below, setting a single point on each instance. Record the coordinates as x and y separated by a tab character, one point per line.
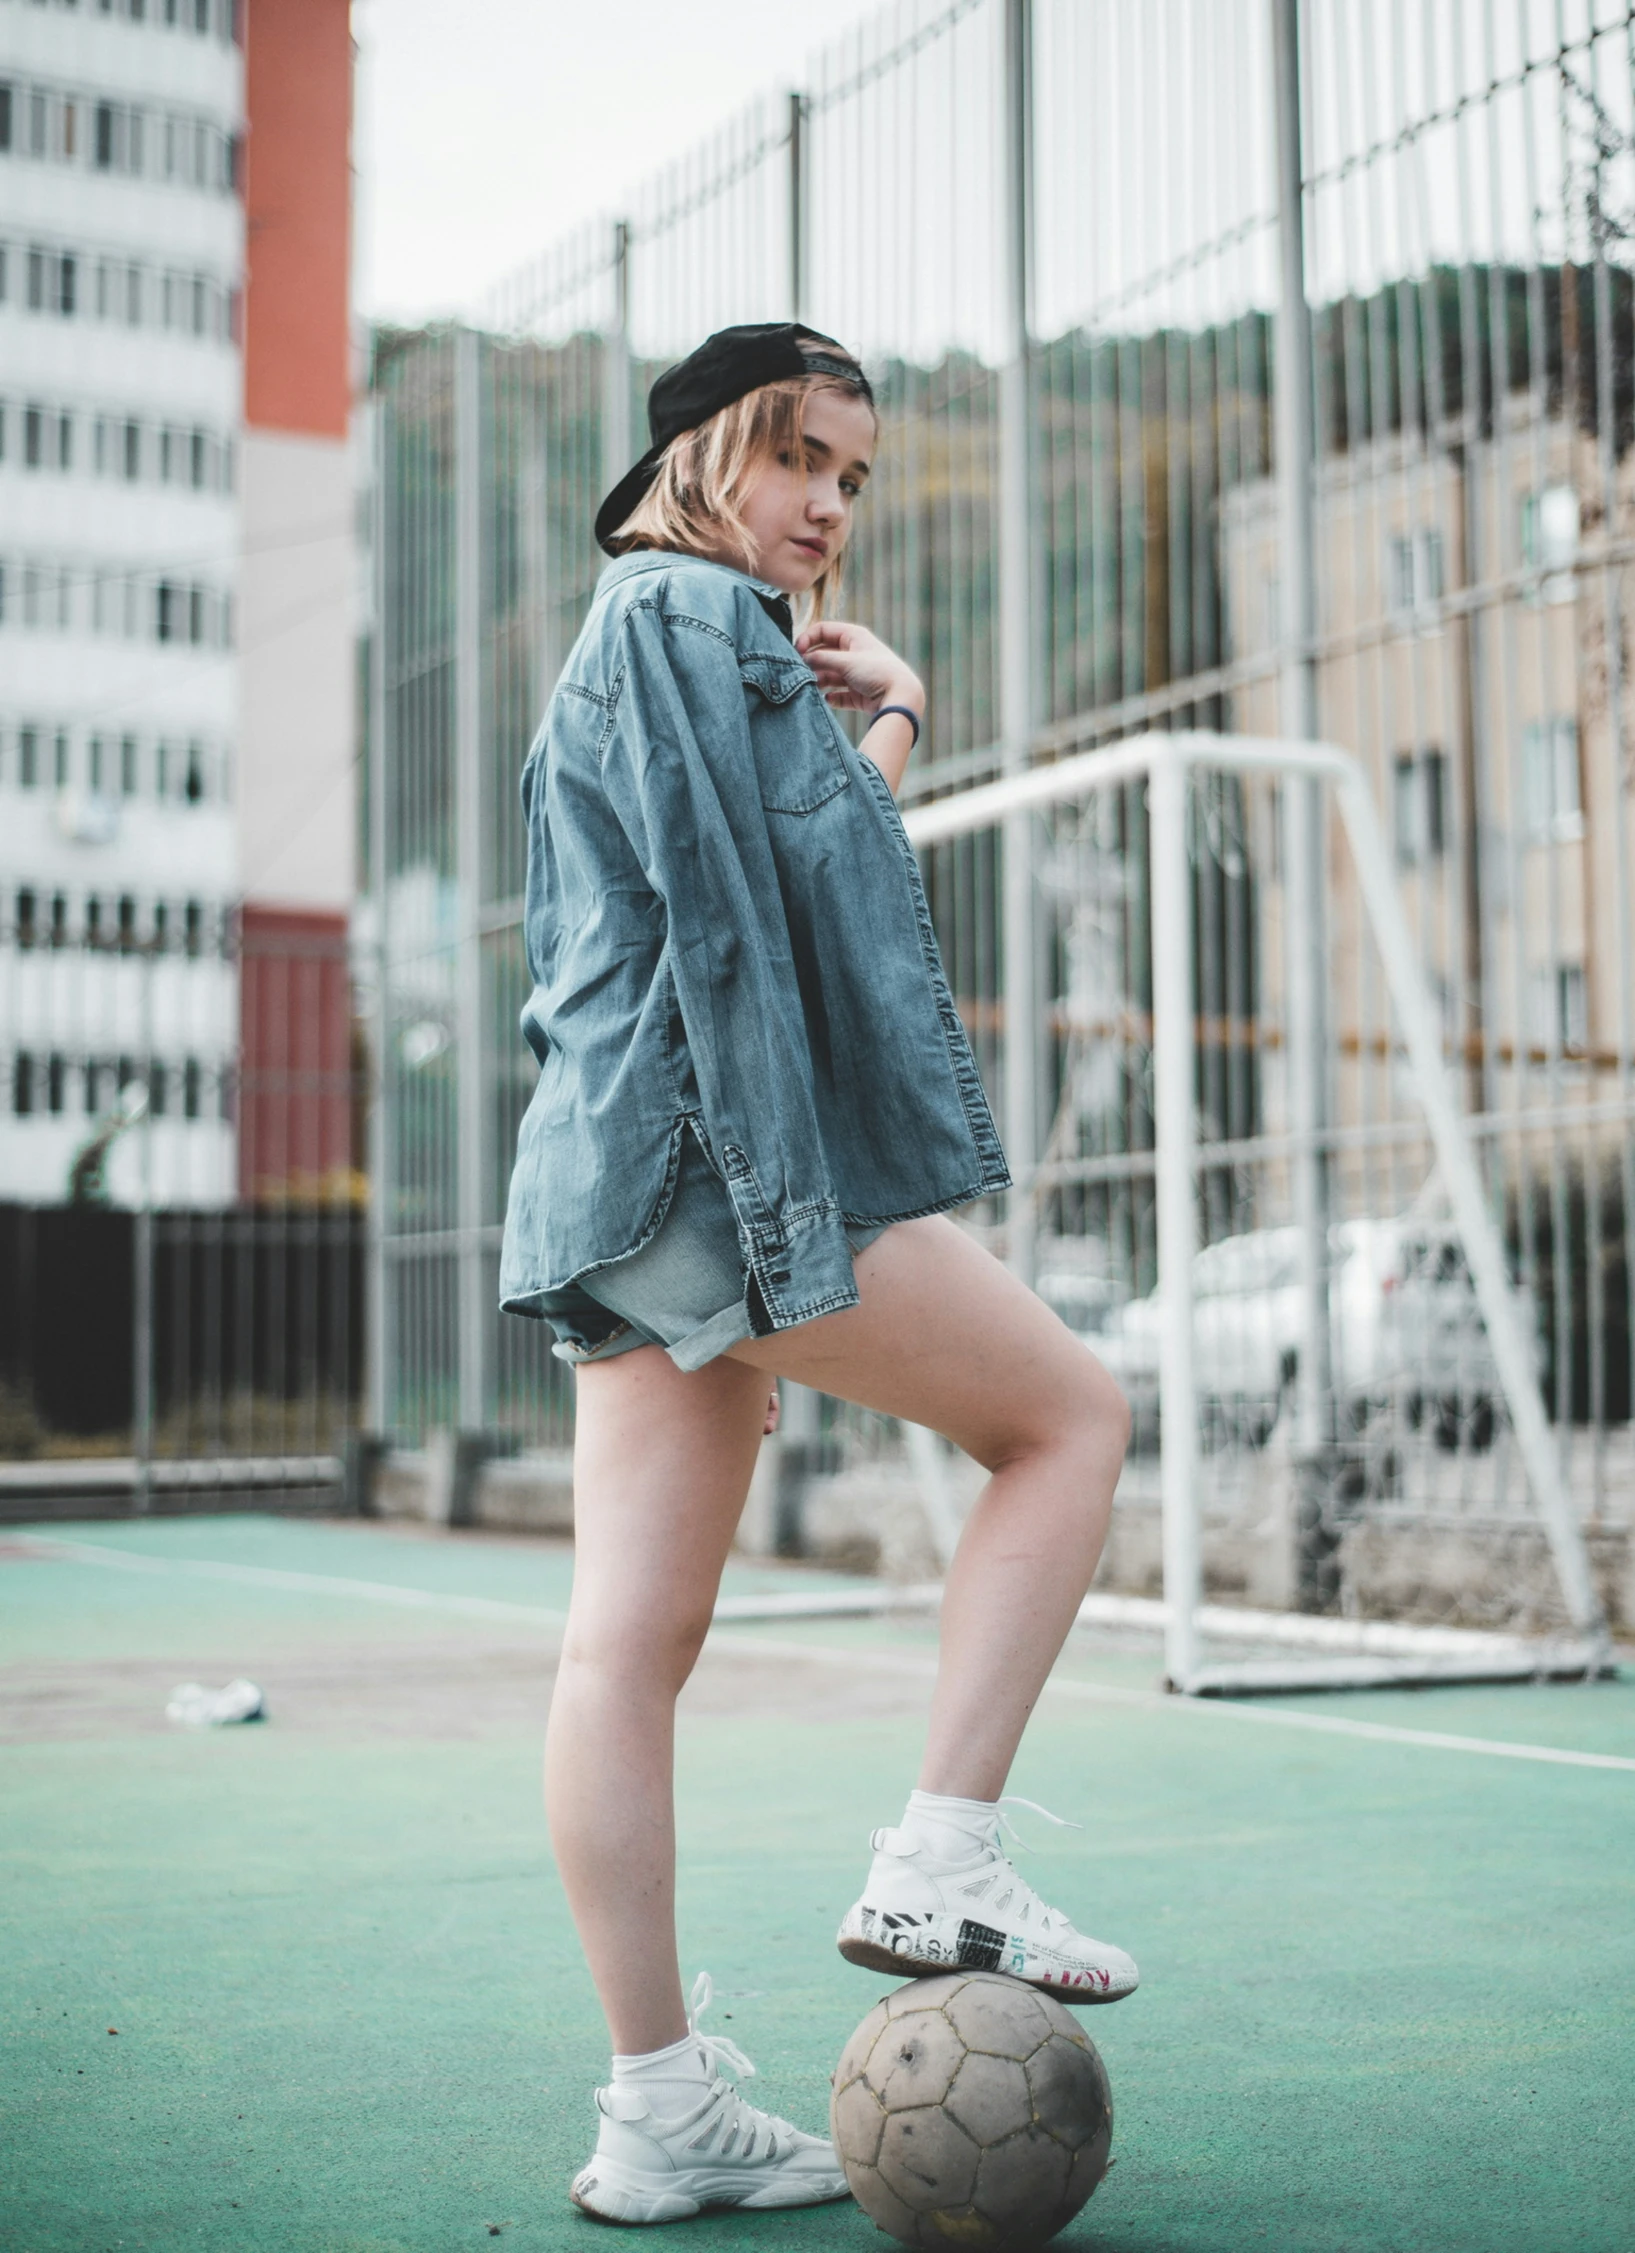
487	128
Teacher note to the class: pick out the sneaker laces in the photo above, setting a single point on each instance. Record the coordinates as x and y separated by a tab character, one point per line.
732	2112
720	2049
1024	1903
1015	1799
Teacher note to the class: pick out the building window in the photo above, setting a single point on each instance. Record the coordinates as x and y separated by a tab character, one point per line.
193	929
56	1083
28	758
59	919
127	766
22	1085
97	764
95	936
28	935
193	786
1552	804
1414	578
33	437
1549	540
192	1089
60	761
1560	1007
128	943
133	451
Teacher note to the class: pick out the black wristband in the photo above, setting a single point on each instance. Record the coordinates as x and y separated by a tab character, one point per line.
907	712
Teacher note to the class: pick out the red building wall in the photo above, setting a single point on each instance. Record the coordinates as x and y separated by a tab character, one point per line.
297	1117
298	214
296	1111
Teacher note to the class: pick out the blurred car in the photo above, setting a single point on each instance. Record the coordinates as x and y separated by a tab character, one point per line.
1407	1329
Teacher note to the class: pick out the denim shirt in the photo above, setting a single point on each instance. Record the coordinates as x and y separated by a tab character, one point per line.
725	924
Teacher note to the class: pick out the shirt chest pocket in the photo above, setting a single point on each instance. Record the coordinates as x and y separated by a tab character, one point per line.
799	752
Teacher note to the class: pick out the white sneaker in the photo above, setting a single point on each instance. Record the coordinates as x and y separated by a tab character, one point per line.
919	1916
723	2152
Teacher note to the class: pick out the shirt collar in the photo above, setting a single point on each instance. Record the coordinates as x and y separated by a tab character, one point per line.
772	599
660	559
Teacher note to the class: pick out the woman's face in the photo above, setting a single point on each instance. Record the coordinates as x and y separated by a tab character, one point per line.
799	524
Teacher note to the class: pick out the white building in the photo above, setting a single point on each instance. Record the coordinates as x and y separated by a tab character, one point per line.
121	263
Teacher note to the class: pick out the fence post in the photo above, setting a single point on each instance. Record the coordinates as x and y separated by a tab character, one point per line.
142	1264
1017	638
1304	888
470	1121
617	451
378	1308
799	154
1174	1015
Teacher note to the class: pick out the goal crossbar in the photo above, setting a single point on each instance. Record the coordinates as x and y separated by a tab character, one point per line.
1166	762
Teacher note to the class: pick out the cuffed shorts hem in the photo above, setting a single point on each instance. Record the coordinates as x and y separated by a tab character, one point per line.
684	1290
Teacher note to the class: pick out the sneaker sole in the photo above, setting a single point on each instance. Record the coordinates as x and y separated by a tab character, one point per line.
928	1948
620	2196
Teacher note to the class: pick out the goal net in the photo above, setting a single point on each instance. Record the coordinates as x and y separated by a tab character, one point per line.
1264	1195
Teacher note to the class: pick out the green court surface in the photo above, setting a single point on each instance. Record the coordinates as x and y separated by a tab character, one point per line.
1387	1983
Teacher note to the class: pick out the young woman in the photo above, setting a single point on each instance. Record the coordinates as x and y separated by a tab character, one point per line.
756	1107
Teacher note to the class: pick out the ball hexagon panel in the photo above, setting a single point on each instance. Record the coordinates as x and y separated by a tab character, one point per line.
883	2207
990	2097
928	2159
912	1997
962	2227
1069	2091
1089	2165
999	2015
857	2121
913	2060
1024	2185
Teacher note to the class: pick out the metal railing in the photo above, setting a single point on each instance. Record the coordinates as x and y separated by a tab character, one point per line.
1244	366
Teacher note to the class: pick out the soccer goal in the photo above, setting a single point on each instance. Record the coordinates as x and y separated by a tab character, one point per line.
1332	1340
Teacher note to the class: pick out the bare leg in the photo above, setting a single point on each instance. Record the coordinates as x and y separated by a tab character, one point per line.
946	1337
662	1463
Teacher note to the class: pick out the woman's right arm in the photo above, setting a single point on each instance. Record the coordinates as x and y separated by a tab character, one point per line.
858	672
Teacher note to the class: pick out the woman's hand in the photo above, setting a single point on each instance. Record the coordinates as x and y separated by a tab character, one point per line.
771	1423
855	669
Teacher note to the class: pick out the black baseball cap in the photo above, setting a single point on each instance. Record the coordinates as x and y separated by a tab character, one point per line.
726	366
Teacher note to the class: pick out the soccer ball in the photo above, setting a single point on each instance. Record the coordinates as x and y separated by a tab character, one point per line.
970	2110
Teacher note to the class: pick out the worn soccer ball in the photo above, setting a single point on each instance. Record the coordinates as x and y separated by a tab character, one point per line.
970	2110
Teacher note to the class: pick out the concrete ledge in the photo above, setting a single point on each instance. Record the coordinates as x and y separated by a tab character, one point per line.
507	1494
108	1487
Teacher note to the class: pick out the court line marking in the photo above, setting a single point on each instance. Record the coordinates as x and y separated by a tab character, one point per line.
1158	1701
304	1583
493	1607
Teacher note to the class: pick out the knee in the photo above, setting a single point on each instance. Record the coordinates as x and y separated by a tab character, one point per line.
1085	1420
1095	1421
1110	1410
646	1654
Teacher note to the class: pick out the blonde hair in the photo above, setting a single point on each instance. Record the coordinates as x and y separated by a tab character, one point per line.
693	502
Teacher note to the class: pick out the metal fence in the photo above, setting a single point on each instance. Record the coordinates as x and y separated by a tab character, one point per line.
1242	366
182	1228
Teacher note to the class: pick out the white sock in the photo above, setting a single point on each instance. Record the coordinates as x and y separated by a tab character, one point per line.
672	2080
951	1831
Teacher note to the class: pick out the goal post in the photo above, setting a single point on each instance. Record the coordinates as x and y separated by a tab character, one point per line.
1167	764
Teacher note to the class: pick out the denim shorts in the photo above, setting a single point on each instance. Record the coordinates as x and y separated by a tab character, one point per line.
684	1289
